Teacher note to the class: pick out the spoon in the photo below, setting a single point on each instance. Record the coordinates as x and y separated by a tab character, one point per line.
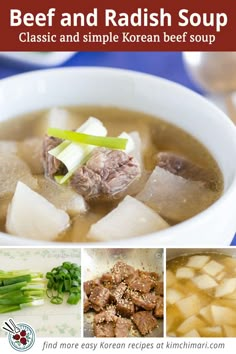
215	72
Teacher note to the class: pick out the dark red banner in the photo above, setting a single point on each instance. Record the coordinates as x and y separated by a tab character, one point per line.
139	25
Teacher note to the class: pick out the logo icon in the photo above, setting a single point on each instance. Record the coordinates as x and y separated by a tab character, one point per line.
20	336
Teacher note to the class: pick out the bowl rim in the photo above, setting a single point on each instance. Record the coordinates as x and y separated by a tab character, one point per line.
186	225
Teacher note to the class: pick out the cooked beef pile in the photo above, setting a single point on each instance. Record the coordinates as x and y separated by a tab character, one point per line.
123	300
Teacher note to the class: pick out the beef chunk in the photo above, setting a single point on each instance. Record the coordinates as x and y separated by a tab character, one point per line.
106	173
51	164
146	301
158	312
109	315
159	288
118	293
145	322
99	297
107	278
105	329
122	327
86	303
143	283
122	271
152	275
125	307
90	285
181	166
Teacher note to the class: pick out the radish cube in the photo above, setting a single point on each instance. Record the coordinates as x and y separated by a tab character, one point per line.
223	315
231	296
185	273
30	150
32	216
229	331
212	268
172	296
197	262
227	287
205	312
211	331
131	218
63	197
189	306
189	324
204	282
220	276
192	333
170	278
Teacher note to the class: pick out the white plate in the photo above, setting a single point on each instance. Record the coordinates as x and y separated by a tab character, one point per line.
48	320
38	58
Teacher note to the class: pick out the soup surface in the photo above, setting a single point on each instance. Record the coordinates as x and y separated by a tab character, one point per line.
156	136
201	296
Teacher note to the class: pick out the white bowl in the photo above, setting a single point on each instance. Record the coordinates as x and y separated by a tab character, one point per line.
174	103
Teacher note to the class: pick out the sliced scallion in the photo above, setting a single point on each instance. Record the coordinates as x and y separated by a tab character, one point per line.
81	138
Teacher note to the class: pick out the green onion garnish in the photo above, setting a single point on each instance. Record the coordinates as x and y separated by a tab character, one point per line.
19	289
108	142
65	279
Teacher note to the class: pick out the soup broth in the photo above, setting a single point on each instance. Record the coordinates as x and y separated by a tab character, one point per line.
156	136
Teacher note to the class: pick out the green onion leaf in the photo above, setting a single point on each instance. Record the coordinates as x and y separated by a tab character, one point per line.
108	142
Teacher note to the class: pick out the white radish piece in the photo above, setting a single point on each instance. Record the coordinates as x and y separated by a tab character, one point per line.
230	262
197	262
172	296
189	305
170	278
226	287
211	331
58	118
231	296
63	197
171	317
192	333
31	216
30	150
130	218
8	147
190	197
137	151
229	331
204	281
223	315
172	334
192	322
220	276
205	312
184	273
130	146
13	169
213	268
